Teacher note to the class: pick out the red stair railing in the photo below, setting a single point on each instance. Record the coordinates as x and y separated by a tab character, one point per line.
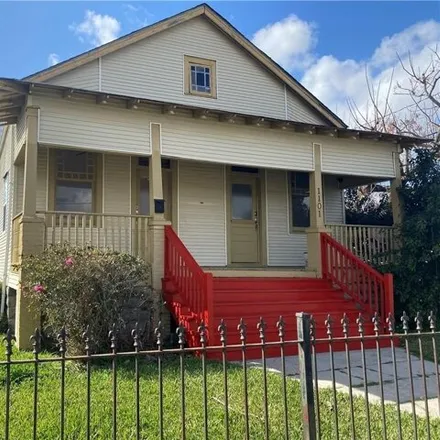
194	286
364	284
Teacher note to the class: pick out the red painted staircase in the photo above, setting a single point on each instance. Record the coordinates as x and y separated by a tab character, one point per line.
348	286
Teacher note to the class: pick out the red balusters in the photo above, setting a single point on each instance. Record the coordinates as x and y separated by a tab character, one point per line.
194	286
356	278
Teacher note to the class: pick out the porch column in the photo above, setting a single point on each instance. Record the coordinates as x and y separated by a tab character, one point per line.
156	239
396	183
316	214
32	229
30	164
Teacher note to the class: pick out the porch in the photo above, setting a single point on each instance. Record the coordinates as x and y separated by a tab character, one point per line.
235	220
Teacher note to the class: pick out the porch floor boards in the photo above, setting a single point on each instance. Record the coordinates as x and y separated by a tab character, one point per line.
252	297
261	272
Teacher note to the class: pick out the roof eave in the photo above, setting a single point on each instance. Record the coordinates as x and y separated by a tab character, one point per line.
30	87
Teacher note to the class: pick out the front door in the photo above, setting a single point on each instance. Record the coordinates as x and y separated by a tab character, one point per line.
244	219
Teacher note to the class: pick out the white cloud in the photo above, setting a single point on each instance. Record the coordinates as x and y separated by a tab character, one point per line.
136	15
96	29
289	42
336	81
53	59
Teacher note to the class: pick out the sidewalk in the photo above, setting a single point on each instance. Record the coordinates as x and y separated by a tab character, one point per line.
357	377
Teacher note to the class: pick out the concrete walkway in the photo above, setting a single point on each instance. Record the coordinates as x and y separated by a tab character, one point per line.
357	377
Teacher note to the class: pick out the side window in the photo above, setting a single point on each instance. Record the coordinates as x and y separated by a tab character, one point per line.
75	175
299	200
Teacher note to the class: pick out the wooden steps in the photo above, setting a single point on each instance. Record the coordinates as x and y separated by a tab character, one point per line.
252	298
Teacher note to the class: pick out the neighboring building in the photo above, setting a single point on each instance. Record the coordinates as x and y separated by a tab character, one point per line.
183	123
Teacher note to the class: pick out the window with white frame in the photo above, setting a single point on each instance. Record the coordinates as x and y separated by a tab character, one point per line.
5	199
75	174
299	192
200	77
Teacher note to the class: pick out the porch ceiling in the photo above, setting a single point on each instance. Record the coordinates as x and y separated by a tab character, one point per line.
13	93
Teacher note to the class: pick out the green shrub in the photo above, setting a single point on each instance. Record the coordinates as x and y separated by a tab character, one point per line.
80	287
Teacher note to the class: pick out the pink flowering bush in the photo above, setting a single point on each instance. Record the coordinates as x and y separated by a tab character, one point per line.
80	287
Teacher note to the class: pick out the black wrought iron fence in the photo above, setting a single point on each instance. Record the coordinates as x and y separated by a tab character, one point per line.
375	383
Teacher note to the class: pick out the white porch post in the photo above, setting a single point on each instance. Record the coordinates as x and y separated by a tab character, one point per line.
396	183
156	240
32	228
316	214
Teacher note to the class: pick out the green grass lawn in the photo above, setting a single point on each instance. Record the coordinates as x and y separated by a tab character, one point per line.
49	400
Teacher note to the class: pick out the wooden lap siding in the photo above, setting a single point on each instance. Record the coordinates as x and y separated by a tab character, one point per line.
93	127
5	167
202	213
342	156
284	248
333	201
153	69
85	77
220	142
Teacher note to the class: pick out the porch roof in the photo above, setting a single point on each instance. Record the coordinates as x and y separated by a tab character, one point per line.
13	95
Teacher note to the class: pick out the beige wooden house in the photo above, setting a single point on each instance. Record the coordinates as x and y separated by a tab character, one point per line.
186	123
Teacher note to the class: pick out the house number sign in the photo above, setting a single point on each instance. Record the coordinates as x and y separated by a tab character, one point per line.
318	201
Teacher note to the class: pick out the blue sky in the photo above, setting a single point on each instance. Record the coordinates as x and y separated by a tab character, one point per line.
322	43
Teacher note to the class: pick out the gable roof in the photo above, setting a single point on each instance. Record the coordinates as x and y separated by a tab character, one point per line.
222	24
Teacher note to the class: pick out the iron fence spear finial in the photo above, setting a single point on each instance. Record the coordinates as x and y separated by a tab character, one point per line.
202	333
261	327
8	339
432	321
36	341
281	327
345	324
329	326
419	322
242	329
360	323
158	333
136	338
405	322
391	323
113	338
181	335
62	339
222	330
376	323
85	336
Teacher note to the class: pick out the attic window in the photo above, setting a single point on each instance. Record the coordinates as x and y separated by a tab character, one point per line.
200	77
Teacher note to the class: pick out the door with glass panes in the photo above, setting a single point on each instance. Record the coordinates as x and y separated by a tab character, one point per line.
244	218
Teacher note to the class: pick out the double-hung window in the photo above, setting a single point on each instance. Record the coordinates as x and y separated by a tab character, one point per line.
75	174
200	77
299	191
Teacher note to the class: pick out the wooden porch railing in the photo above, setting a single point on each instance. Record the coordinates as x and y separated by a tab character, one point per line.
16	240
118	232
191	283
371	289
370	243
